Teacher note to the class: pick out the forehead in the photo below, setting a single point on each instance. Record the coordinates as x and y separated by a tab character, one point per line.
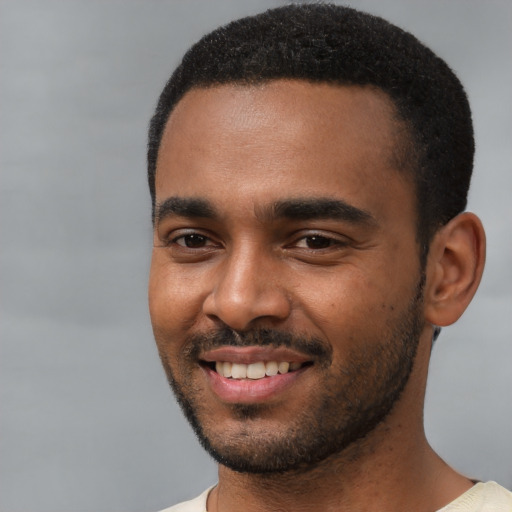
282	137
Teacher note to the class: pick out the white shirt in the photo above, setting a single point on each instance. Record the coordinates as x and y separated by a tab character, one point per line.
482	497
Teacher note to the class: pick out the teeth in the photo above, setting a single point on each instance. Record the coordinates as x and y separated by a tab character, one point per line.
271	368
254	370
228	369
283	367
239	371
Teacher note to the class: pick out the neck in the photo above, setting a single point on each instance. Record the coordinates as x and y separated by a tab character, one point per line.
393	468
390	477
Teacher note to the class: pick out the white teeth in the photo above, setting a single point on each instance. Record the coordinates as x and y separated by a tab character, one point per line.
283	367
227	369
239	371
271	368
256	370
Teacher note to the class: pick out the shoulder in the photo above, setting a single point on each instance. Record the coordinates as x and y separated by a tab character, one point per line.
196	505
482	497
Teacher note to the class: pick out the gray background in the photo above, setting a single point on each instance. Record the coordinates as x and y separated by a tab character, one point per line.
87	420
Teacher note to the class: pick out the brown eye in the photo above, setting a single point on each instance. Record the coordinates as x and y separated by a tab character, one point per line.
318	242
192	241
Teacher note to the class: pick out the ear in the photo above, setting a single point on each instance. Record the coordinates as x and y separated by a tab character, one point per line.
454	268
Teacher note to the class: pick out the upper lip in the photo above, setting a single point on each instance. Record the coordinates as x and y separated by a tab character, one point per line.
253	354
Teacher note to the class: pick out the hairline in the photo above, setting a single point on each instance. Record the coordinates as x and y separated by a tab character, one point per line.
403	158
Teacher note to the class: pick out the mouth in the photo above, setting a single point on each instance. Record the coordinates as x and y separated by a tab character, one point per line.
254	371
252	374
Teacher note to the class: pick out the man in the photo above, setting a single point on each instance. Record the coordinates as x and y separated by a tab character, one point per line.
309	169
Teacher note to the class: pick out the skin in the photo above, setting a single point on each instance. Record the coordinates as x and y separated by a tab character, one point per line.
242	149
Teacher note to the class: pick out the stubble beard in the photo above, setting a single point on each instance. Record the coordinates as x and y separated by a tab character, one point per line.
353	398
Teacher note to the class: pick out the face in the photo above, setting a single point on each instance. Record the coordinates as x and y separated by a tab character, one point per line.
285	288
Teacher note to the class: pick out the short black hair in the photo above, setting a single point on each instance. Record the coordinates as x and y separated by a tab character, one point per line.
342	46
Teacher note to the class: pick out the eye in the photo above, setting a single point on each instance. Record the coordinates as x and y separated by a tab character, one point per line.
192	241
316	242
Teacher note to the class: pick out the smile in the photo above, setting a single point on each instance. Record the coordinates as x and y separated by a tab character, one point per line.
255	371
252	374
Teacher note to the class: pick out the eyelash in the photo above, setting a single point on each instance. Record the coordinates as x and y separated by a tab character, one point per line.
328	241
204	238
324	241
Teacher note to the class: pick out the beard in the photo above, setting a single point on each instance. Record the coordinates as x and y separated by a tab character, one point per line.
351	399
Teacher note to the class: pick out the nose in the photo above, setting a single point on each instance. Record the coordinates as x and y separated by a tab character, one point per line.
247	289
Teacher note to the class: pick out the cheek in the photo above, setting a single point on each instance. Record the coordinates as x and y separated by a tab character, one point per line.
175	297
347	303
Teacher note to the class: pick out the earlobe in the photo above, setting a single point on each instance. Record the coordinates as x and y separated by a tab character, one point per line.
454	268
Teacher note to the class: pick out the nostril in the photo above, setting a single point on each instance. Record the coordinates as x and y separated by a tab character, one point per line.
239	296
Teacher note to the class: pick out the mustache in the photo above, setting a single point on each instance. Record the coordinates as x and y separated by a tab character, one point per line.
307	345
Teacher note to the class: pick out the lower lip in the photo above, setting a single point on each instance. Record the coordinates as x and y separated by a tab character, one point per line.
247	391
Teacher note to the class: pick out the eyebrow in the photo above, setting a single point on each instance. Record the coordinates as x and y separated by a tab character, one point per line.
292	209
184	207
321	208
